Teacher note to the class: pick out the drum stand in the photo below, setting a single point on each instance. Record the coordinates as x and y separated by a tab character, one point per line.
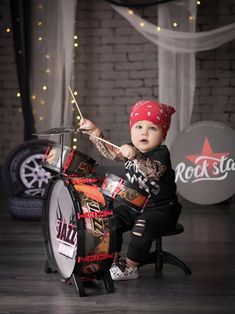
78	282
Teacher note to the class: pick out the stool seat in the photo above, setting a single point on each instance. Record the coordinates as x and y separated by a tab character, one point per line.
178	229
160	257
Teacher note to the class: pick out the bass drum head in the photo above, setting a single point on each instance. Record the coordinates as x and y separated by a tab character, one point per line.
62	229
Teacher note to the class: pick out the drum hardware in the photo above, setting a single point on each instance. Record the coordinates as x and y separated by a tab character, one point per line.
57	131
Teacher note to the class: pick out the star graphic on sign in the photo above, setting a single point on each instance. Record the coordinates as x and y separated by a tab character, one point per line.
208	155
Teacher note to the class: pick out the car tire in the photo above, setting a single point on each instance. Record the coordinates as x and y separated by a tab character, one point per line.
22	173
25	208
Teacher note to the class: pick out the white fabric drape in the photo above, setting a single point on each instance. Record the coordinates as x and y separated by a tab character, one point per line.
177	50
51	62
176	71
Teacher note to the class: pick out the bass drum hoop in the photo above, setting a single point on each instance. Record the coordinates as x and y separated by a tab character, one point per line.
53	261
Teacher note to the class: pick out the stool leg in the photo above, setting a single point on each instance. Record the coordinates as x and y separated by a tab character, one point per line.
168	258
159	255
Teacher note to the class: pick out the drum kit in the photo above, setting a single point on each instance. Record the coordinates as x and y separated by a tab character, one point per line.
77	216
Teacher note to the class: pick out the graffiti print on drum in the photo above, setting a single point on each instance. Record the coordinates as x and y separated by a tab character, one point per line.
203	156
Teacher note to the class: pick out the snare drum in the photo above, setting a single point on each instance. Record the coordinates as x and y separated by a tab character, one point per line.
77	228
123	191
73	162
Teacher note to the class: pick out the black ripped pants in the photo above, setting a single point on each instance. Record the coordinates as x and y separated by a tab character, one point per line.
145	227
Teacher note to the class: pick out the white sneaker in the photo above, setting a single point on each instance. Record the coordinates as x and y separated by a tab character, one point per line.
120	271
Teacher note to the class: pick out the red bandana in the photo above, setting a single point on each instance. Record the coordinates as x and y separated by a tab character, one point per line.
159	114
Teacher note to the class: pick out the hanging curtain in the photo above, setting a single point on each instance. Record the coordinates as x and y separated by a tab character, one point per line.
177	84
20	16
176	71
51	63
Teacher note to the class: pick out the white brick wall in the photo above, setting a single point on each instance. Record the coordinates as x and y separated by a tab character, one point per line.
115	66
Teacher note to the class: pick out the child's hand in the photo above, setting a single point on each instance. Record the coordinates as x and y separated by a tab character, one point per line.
89	127
128	151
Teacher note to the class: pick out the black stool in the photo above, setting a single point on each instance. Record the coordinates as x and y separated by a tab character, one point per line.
160	257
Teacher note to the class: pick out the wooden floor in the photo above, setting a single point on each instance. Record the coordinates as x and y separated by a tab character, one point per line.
207	246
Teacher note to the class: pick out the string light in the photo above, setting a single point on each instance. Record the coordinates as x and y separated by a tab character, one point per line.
74	146
76	45
44	87
41	118
75	93
75	37
175	24
8	30
198	2
33	97
40	38
130	12
18	94
158	28
74	139
39	23
142	24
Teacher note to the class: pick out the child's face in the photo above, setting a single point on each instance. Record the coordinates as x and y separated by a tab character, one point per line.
146	135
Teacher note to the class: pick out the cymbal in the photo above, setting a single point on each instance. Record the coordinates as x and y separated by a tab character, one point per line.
57	131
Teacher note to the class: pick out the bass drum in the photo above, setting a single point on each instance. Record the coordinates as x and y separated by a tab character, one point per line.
77	228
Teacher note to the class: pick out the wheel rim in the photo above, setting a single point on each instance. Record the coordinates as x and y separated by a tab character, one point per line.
33	176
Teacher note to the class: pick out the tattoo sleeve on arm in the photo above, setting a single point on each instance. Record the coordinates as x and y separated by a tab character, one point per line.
151	169
106	150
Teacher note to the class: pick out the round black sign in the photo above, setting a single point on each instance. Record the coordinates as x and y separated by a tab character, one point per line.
203	156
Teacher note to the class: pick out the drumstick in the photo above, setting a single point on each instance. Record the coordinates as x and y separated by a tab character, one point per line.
79	111
107	142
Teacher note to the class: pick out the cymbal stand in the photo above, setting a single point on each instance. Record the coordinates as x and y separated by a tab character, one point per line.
62	148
